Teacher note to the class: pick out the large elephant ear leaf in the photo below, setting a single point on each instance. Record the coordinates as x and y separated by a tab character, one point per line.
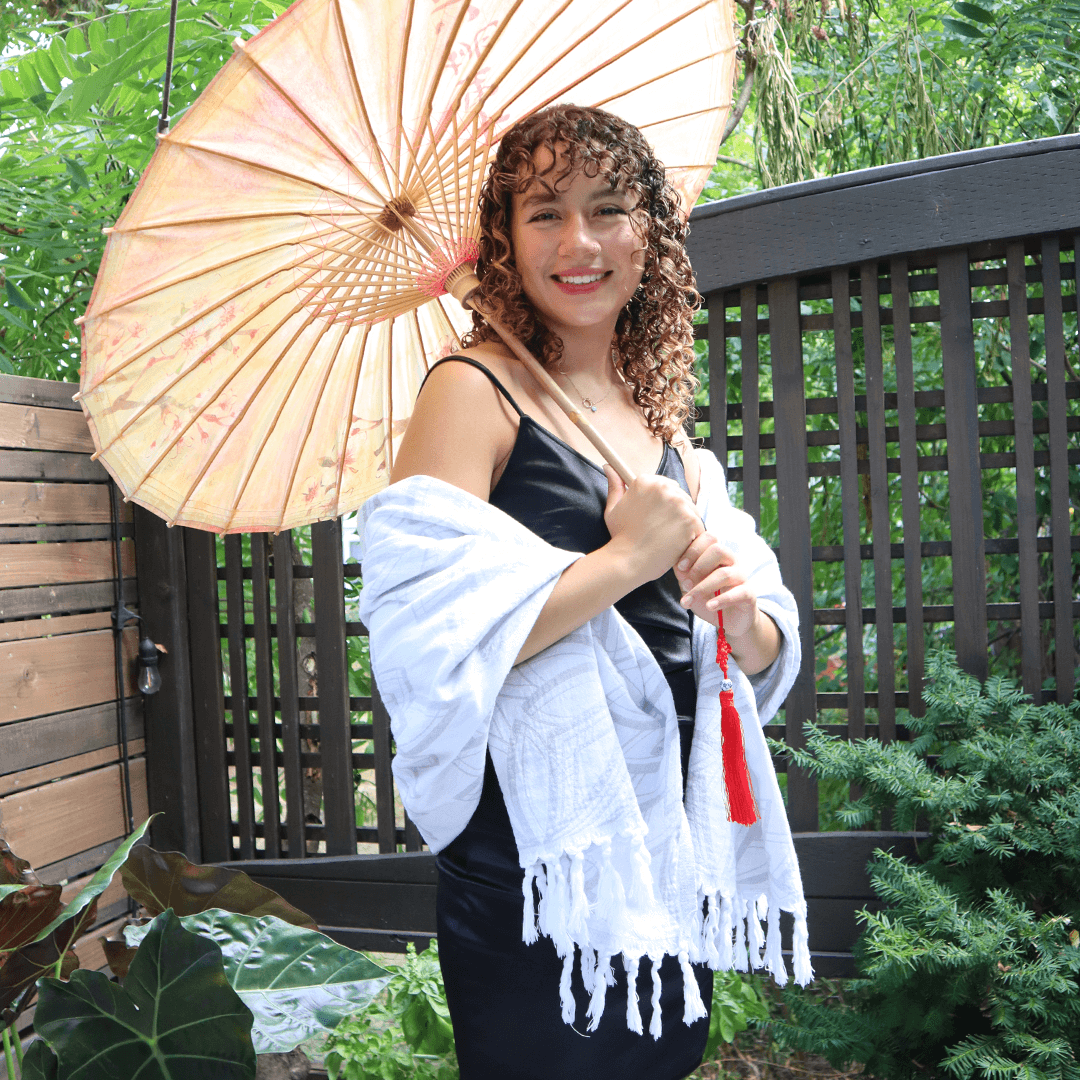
296	982
165	879
20	969
24	912
176	1016
40	1062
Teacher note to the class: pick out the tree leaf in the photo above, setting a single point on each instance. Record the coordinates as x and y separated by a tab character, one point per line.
973	11
296	982
15	298
174	1018
77	173
963	28
40	1062
165	879
99	882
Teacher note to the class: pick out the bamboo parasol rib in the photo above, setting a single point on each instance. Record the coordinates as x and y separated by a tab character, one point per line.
266	308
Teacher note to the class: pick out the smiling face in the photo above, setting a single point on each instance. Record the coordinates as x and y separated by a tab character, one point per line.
578	246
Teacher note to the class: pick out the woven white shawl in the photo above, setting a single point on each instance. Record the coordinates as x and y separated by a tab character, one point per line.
585	743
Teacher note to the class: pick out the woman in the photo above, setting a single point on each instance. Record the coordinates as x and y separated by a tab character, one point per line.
582	257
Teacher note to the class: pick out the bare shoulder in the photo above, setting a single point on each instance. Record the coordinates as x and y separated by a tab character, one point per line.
691	466
459	430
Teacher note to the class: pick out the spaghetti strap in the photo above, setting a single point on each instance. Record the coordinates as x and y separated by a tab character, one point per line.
476	364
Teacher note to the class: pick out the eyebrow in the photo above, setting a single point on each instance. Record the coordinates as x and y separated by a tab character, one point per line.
546	195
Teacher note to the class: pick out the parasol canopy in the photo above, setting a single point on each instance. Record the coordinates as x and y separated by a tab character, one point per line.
264	313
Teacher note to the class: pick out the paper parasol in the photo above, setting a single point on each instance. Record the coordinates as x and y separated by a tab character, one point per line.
259	328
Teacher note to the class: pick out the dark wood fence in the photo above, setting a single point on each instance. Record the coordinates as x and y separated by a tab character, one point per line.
64	774
898	347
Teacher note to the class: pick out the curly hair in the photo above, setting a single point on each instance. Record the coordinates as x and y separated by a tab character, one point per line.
654	335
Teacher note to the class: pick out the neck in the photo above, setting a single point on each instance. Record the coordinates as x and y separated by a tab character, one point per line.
588	352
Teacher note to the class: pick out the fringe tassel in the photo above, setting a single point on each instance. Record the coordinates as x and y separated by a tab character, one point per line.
588	969
755	913
774	955
712	954
566	996
804	972
577	924
693	1007
542	887
723	939
633	1013
656	1021
742	944
558	909
610	895
528	918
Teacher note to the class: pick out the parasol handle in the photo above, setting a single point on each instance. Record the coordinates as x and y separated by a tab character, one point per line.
462	290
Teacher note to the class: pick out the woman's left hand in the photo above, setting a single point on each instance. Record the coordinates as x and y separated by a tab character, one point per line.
707	568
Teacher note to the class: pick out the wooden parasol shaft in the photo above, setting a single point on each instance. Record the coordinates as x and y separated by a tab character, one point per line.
462	289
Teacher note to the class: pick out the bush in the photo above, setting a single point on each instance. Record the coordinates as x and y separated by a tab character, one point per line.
973	968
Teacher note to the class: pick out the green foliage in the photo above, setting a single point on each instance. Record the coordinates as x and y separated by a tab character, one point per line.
80	92
835	85
176	1015
404	1034
973	968
296	982
736	1001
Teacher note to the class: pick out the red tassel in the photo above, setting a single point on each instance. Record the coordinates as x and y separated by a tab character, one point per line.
741	808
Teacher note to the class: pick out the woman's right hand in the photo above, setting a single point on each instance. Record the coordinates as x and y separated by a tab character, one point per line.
653	521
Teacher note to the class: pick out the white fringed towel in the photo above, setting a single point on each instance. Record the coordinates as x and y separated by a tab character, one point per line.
585	742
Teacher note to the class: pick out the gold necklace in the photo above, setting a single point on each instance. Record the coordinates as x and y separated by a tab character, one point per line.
588	403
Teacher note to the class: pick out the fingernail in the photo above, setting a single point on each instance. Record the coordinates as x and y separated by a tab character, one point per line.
684	564
712	605
687	585
686	601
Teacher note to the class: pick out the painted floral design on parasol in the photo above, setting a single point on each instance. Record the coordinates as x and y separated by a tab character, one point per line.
270	299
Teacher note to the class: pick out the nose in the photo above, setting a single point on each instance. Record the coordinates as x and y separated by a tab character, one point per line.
576	239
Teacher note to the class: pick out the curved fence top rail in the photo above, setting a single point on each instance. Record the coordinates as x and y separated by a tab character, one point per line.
981	195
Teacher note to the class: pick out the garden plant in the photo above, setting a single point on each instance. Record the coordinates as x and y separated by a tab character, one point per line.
972	970
221	970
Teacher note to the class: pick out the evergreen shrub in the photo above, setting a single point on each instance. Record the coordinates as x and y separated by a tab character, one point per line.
972	970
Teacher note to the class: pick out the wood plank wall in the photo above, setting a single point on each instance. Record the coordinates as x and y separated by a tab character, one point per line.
61	784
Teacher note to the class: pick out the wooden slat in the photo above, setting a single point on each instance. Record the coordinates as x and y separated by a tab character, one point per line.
37	534
57	820
69	766
965	475
909	485
50	465
879	501
59	504
1027	519
57	564
1064	649
208	701
58	599
58	624
90	948
79	863
264	692
717	379
339	808
751	397
238	678
849	503
30	427
20	390
32	743
793	499
384	778
50	675
284	601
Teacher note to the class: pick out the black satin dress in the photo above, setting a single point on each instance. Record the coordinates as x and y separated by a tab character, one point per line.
503	994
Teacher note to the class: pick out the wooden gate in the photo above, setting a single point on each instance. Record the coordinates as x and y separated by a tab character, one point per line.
869	342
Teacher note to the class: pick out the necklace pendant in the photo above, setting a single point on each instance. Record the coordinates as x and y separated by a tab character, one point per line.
588	404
